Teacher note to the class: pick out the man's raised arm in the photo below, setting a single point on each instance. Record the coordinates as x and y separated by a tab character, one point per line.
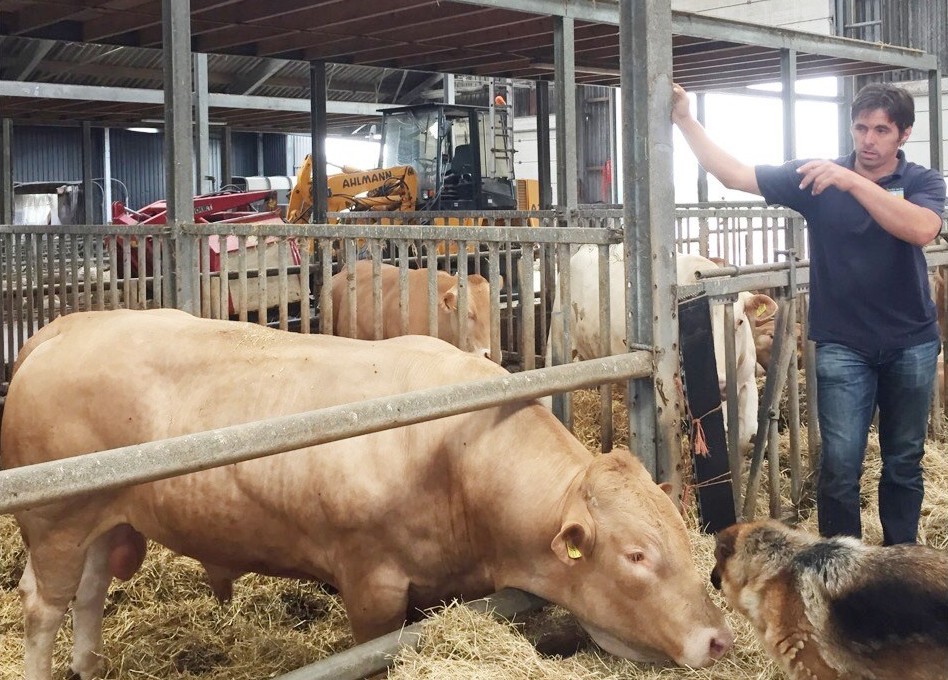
731	172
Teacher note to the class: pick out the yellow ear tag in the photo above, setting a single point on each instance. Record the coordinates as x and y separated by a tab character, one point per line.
573	551
761	309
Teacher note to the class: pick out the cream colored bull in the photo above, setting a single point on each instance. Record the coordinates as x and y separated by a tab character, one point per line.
585	335
397	521
478	306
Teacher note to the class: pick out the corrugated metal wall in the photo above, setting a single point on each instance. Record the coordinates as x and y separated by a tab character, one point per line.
274	155
245	153
137	162
46	154
43	153
922	24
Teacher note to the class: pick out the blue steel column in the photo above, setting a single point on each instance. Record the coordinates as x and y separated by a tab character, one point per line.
567	177
788	79
544	177
317	115
936	133
649	219
567	174
227	156
847	92
179	152
6	171
701	115
202	129
88	204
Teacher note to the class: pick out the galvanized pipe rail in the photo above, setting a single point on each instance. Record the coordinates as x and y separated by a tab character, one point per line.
425	232
32	485
376	655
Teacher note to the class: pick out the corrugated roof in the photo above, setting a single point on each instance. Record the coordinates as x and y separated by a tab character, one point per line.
380	52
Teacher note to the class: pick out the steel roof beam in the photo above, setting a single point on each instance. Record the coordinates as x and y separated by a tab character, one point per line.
713	28
13	88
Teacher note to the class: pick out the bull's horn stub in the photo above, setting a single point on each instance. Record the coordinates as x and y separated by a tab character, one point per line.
573	552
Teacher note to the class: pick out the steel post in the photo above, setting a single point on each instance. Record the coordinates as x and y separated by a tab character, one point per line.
202	132
6	171
179	151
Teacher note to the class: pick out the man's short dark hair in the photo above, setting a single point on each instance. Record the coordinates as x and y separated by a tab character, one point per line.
896	102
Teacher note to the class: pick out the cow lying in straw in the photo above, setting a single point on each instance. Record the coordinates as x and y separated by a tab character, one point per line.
835	609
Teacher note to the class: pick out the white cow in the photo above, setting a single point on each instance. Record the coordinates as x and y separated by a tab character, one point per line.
584	328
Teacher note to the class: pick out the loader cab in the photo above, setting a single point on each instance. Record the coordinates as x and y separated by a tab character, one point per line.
461	162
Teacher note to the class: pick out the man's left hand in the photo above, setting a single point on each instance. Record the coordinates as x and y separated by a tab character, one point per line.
820	174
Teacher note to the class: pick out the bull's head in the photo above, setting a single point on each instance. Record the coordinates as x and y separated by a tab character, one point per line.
478	315
633	584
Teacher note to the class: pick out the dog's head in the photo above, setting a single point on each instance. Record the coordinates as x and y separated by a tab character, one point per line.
748	551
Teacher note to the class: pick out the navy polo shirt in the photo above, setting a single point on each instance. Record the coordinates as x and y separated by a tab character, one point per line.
868	289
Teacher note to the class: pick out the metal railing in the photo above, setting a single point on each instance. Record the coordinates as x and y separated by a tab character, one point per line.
47	271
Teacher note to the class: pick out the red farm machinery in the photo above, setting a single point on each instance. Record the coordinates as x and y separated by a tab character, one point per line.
239	207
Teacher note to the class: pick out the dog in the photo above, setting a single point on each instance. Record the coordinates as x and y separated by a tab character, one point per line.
838	609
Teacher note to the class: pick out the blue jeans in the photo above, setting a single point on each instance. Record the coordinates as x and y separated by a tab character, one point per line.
850	384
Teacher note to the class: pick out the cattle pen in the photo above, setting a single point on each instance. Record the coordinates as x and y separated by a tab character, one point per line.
50	271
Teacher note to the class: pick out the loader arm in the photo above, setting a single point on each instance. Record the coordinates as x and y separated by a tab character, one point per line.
394	188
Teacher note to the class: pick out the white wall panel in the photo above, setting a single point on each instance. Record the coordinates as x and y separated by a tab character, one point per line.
814	16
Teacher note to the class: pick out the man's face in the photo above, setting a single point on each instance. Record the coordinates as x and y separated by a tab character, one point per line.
876	140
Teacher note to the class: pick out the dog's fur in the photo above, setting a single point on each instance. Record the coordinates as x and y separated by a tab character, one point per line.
837	609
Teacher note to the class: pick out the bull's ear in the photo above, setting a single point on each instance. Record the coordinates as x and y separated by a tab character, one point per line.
449	301
573	543
669	490
760	308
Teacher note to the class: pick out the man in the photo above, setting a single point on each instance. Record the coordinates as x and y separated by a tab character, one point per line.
871	313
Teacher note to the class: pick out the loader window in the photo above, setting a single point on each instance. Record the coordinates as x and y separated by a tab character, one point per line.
413	138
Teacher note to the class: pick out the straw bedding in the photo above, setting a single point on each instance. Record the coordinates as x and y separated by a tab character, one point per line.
164	623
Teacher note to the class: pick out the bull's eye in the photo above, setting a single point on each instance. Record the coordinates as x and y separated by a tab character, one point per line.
635	556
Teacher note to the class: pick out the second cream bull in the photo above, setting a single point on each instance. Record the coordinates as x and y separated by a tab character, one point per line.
584	323
477	336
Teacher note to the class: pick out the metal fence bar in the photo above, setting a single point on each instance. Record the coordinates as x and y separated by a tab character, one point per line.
325	288
223	279
431	248
493	276
527	310
204	250
58	480
74	270
305	249
376	655
11	345
261	248
607	435
283	283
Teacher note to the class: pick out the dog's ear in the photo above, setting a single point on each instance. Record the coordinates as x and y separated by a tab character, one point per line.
723	549
725	543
